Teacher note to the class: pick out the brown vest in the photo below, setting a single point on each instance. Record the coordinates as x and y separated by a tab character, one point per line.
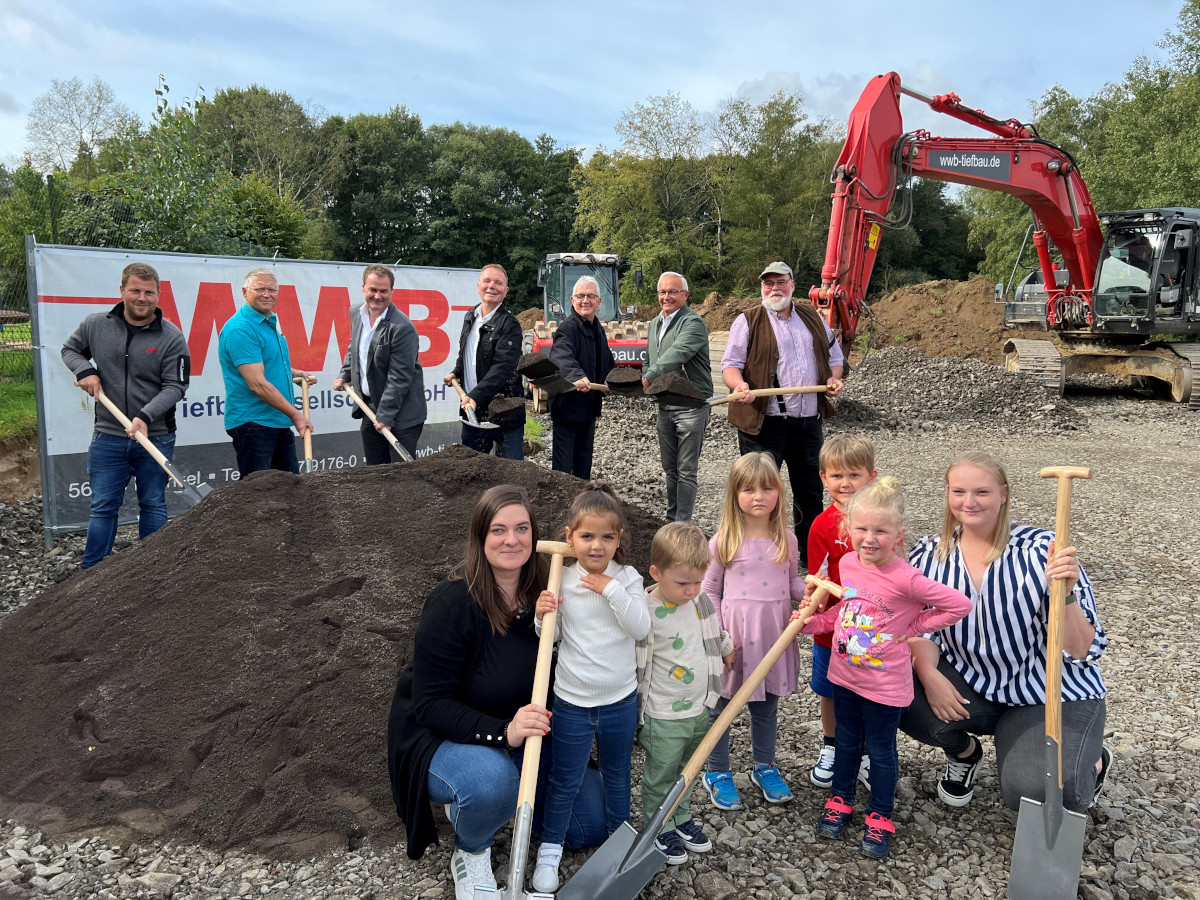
762	361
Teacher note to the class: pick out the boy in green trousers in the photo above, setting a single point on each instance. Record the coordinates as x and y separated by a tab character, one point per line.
679	679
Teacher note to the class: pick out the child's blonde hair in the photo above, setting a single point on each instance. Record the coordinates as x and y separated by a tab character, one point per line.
950	525
751	471
679	544
599	500
883	496
848	451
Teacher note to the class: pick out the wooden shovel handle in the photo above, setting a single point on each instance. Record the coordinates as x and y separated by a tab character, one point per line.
472	418
1058	605
594	386
771	392
742	697
303	382
527	789
147	444
387	432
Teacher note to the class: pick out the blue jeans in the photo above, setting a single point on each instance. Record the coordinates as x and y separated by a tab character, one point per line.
481	785
509	442
865	726
261	447
764	731
680	437
611	728
111	462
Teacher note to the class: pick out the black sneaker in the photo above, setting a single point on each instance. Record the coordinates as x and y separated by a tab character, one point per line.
693	837
1106	763
668	842
956	788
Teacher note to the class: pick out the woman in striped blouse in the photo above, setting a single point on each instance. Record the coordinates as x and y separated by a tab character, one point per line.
986	674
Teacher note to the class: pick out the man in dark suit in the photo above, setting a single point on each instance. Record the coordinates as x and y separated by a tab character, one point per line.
381	364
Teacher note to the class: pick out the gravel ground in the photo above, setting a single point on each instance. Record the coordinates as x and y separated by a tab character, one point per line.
1142	836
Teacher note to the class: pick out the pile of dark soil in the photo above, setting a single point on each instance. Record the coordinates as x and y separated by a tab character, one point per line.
944	318
228	679
529	317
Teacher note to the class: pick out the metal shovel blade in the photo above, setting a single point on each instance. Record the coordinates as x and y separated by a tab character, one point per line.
1048	847
554	384
192	495
627	861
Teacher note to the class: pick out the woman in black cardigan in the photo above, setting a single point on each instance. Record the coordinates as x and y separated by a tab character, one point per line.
580	351
461	711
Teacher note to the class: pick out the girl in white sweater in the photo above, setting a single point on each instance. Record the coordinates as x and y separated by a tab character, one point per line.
602	614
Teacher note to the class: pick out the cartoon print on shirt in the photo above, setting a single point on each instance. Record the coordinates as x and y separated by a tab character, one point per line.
856	633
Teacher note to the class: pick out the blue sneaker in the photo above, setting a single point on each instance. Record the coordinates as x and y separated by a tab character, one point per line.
693	837
722	791
774	788
877	836
833	820
668	842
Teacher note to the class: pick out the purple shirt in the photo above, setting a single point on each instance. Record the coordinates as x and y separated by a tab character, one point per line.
797	360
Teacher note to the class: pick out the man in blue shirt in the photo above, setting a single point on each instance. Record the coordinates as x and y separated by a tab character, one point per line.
259	401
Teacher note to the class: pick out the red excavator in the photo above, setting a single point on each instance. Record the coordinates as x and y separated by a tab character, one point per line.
1102	294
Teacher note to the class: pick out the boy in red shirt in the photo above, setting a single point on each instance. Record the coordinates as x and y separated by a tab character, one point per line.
847	464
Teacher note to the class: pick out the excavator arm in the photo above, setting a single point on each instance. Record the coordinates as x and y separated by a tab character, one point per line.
878	154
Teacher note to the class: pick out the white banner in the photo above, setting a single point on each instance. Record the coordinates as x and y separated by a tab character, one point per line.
199	294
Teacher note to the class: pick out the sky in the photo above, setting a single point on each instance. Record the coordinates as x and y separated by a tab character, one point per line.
567	69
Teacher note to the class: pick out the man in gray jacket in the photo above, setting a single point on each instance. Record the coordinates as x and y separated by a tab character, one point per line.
381	364
678	343
141	362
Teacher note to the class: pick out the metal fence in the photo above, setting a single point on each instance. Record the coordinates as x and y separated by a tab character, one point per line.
53	217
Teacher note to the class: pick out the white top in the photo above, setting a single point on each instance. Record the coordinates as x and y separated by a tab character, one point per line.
596	634
666	323
470	376
364	344
679	669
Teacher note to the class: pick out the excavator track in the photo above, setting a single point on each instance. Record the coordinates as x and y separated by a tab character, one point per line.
1039	359
1182	391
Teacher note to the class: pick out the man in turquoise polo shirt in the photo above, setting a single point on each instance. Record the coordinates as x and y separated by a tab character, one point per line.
260	406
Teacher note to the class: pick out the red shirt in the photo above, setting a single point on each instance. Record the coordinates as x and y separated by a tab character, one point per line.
826	546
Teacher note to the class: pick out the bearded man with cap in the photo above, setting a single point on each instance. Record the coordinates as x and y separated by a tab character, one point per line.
784	343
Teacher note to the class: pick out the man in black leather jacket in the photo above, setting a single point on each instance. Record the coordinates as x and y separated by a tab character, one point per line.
488	351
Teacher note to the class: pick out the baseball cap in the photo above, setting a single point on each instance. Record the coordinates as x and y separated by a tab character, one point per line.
776	268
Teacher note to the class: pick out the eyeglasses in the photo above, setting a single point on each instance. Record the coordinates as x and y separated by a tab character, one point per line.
775	284
264	290
670	293
590	297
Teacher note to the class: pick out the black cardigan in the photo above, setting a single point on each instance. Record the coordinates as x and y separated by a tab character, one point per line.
464	685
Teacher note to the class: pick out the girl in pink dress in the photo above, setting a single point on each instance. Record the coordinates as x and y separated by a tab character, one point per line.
752	581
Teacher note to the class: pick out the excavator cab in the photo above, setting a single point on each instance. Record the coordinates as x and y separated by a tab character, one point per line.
1147	274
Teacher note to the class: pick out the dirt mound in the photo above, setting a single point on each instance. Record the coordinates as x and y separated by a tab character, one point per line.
228	679
529	317
943	318
20	473
719	311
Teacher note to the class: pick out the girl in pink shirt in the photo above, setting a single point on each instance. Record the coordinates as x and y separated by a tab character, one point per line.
885	601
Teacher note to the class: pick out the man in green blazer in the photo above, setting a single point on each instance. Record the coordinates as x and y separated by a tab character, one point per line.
678	343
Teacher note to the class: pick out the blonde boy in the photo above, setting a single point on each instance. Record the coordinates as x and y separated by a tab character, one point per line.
679	678
847	464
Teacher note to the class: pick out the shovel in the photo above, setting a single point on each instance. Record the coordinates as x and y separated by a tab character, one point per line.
545	376
387	432
472	419
309	464
1048	848
768	392
527	789
192	495
668	390
627	861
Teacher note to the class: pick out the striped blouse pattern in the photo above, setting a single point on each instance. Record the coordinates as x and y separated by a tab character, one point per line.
1000	647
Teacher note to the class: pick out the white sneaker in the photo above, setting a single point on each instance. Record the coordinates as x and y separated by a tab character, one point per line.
471	870
822	773
545	873
864	772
